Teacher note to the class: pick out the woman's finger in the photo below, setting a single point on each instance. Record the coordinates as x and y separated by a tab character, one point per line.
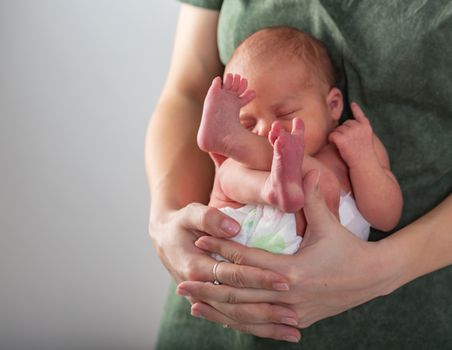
258	313
244	276
270	330
267	330
225	294
202	268
242	255
209	220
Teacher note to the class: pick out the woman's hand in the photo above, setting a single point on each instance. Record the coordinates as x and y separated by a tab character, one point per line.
333	272
174	235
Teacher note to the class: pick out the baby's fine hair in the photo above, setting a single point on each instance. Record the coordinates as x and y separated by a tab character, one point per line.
279	39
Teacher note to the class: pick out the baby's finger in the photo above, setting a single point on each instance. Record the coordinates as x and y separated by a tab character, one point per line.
332	137
269	330
337	133
349	124
338	138
358	113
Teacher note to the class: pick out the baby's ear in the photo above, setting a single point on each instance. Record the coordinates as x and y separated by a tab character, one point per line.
335	103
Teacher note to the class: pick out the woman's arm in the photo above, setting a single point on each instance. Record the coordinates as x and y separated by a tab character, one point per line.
178	172
421	247
350	272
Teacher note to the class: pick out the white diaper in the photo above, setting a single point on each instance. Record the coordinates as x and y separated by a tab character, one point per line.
351	218
268	228
265	227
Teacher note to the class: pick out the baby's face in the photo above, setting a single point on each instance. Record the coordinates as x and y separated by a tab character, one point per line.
285	90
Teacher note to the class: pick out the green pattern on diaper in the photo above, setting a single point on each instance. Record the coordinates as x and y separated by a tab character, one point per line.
249	222
247	225
272	242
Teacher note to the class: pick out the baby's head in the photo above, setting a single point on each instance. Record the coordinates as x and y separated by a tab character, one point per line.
293	76
285	44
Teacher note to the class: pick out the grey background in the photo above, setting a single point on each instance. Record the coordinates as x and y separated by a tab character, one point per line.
78	82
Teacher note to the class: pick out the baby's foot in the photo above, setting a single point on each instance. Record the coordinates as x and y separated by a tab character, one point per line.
220	116
284	186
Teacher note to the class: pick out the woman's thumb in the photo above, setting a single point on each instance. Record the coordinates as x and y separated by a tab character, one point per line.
317	214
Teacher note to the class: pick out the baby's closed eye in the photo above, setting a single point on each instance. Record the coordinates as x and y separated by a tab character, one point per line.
289	114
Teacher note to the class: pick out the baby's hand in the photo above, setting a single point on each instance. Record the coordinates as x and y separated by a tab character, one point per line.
354	138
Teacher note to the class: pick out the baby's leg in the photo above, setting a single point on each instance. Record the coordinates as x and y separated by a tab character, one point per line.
220	131
284	187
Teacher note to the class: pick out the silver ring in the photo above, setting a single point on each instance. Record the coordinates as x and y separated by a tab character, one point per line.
214	272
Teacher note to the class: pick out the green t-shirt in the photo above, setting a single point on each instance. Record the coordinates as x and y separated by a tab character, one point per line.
395	60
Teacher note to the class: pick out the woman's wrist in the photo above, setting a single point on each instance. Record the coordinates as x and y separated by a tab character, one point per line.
399	258
390	267
415	250
160	210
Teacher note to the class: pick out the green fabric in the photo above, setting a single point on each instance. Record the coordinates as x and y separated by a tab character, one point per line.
209	4
396	62
395	58
417	316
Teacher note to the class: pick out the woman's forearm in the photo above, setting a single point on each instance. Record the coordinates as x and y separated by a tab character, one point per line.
421	247
178	172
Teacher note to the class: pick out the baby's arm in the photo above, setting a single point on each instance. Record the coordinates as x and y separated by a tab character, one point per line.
375	188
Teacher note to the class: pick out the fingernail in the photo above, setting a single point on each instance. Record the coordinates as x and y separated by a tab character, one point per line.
183	292
230	227
291	338
289	321
280	286
201	245
196	313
